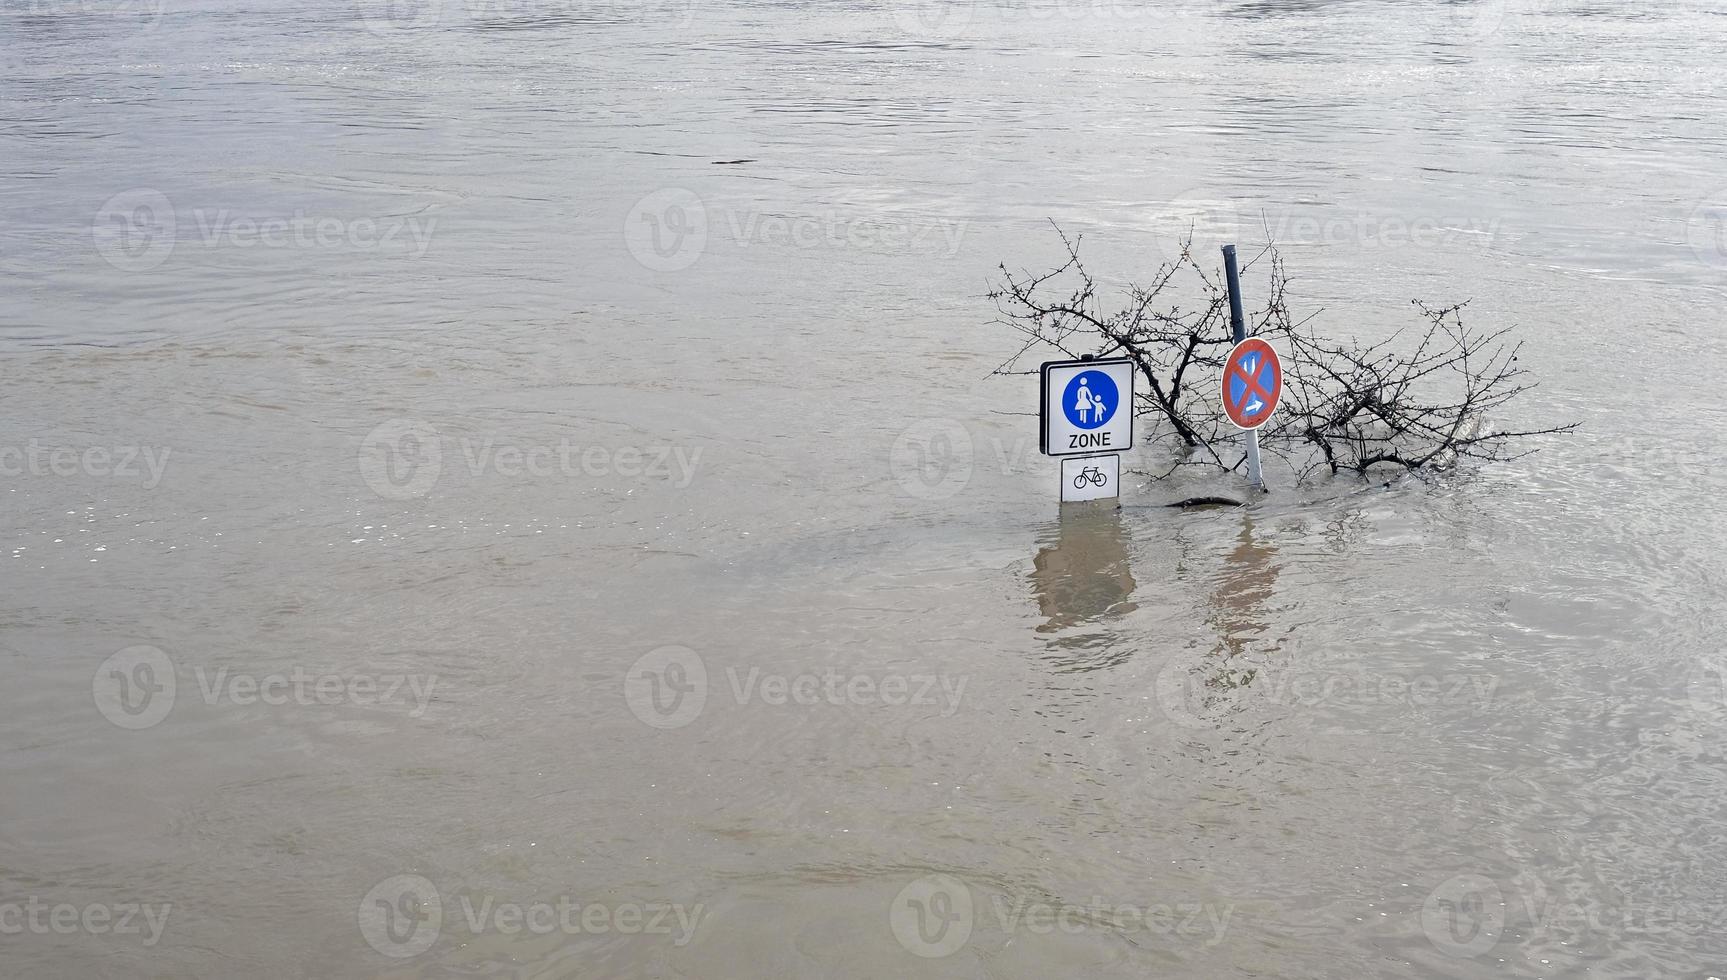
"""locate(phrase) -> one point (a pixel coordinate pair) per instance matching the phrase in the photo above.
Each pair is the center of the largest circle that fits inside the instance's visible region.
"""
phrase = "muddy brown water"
(511, 488)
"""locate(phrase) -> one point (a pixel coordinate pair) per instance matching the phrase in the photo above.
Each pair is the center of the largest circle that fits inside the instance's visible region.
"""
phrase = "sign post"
(1252, 374)
(1086, 419)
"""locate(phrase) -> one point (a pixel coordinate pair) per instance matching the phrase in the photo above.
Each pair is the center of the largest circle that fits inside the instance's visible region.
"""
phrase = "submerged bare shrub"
(1421, 399)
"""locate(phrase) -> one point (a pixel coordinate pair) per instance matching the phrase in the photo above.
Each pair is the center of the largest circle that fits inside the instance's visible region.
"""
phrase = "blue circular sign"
(1090, 399)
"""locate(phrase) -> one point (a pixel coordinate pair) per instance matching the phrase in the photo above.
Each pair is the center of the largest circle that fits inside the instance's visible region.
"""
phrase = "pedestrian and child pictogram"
(1090, 399)
(1252, 383)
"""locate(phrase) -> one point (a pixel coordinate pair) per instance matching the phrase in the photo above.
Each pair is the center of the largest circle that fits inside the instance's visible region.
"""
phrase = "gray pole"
(1238, 327)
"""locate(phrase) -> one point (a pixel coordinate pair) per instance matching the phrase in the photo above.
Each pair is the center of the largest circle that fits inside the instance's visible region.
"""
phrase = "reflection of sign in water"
(1087, 407)
(1252, 383)
(1082, 574)
(1244, 589)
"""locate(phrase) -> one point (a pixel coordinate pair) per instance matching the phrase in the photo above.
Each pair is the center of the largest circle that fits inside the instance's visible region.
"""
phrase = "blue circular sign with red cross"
(1252, 383)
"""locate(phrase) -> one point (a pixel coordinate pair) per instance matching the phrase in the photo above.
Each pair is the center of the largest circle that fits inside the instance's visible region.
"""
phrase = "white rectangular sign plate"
(1090, 478)
(1087, 407)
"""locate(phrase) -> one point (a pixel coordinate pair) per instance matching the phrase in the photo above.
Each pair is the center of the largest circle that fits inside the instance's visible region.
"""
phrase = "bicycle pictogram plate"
(1090, 477)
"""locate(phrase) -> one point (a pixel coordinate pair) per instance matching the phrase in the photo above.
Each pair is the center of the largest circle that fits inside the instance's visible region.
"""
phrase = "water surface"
(472, 353)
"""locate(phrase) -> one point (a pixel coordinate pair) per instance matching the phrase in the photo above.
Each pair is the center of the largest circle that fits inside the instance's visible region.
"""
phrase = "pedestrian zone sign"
(1087, 407)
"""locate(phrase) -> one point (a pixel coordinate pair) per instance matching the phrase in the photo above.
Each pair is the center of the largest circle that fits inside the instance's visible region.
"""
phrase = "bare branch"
(1416, 400)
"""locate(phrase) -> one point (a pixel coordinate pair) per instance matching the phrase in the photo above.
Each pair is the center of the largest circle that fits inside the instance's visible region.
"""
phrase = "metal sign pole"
(1238, 326)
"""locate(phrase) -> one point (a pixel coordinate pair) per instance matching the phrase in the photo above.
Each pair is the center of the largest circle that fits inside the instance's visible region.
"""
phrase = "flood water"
(513, 488)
